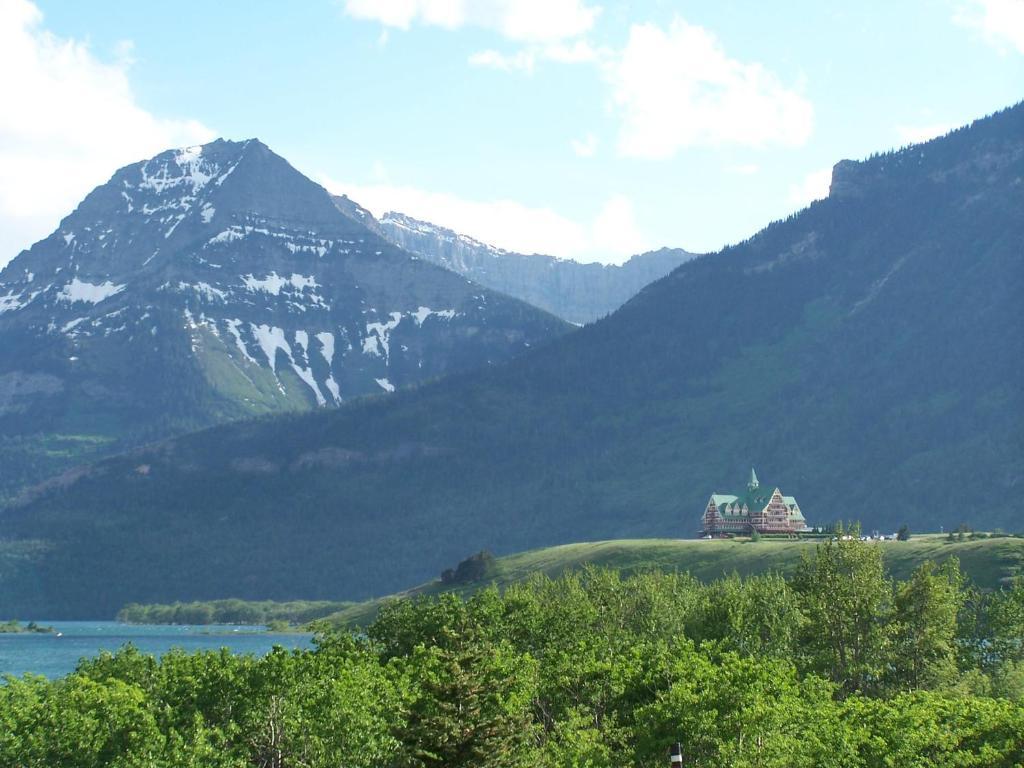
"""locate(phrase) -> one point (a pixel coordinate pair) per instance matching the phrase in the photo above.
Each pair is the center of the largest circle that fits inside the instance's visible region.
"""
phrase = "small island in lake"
(14, 627)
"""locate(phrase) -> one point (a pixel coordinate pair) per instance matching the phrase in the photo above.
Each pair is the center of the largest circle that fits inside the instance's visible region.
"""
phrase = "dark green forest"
(864, 354)
(838, 667)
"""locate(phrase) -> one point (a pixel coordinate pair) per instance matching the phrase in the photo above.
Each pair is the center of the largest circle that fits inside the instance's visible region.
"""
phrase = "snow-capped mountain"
(579, 293)
(213, 283)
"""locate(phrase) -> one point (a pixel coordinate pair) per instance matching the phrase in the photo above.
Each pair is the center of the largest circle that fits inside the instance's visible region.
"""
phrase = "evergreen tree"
(468, 705)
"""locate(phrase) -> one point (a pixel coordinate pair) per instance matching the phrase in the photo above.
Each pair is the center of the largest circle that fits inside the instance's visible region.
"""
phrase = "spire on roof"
(753, 480)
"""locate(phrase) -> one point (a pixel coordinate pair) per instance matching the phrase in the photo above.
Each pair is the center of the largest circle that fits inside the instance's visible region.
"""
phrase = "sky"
(585, 129)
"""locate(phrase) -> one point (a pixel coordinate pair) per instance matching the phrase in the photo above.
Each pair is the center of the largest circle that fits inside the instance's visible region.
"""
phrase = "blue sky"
(586, 129)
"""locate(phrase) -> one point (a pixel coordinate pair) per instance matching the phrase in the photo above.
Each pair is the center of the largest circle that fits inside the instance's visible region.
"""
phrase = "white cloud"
(525, 59)
(520, 61)
(744, 169)
(68, 121)
(615, 228)
(610, 237)
(1001, 22)
(813, 186)
(915, 134)
(585, 147)
(579, 52)
(678, 88)
(521, 20)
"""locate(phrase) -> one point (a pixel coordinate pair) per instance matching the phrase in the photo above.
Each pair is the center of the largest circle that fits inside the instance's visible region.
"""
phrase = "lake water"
(53, 656)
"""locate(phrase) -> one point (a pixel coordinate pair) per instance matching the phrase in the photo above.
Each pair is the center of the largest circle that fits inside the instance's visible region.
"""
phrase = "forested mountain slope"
(215, 283)
(865, 354)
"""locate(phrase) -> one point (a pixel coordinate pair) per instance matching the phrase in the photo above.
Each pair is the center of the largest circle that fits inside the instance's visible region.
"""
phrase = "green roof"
(756, 497)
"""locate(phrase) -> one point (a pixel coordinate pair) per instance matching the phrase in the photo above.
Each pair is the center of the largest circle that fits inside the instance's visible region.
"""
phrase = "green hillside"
(865, 355)
(987, 562)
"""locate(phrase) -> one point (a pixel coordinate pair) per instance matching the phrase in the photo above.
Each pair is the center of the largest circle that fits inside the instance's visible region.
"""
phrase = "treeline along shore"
(230, 611)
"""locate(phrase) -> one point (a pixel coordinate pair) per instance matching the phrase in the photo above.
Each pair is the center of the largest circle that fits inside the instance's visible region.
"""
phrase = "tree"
(467, 705)
(76, 723)
(483, 565)
(730, 711)
(756, 616)
(903, 534)
(846, 600)
(925, 627)
(925, 729)
(336, 706)
(1005, 621)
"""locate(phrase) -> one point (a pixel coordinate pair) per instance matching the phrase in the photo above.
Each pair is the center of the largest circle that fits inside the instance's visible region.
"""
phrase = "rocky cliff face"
(215, 283)
(579, 293)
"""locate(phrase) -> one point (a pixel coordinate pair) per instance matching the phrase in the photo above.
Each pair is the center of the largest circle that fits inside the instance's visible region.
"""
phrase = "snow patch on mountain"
(270, 339)
(229, 234)
(10, 302)
(68, 327)
(423, 313)
(90, 293)
(273, 283)
(233, 330)
(205, 291)
(295, 242)
(306, 372)
(191, 170)
(377, 341)
(378, 337)
(333, 388)
(326, 340)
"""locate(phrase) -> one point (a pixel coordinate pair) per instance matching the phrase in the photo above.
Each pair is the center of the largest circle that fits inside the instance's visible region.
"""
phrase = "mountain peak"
(215, 282)
(182, 198)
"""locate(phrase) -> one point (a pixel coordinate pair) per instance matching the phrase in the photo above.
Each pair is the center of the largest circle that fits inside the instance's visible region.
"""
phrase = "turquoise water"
(54, 656)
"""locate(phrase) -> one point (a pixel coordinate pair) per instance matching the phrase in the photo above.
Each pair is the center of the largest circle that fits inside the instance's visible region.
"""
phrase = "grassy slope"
(987, 562)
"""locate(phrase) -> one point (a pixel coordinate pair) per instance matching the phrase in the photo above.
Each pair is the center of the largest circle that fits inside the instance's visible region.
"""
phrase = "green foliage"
(925, 629)
(987, 564)
(1006, 622)
(14, 627)
(927, 730)
(592, 669)
(76, 723)
(740, 712)
(847, 601)
(759, 616)
(478, 567)
(468, 705)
